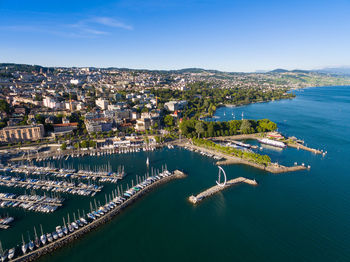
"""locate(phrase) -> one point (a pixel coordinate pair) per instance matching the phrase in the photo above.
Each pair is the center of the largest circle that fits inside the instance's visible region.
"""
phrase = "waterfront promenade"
(50, 247)
(217, 188)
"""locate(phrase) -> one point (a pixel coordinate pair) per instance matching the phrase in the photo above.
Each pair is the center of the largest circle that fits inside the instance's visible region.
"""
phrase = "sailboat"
(24, 246)
(31, 243)
(65, 230)
(11, 253)
(43, 236)
(3, 255)
(36, 240)
(147, 162)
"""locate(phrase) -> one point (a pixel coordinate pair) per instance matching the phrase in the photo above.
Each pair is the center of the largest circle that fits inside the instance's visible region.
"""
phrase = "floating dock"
(101, 176)
(30, 202)
(51, 185)
(215, 189)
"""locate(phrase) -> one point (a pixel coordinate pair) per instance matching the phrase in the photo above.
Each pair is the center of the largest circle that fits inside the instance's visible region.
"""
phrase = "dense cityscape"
(78, 106)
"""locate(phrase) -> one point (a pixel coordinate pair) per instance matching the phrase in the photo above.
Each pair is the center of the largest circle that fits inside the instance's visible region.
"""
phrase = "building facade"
(21, 133)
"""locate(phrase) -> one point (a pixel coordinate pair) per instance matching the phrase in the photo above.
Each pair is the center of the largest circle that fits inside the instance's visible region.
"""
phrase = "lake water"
(300, 216)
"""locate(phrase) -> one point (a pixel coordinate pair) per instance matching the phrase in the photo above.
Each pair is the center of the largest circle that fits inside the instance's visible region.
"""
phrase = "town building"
(98, 125)
(102, 103)
(175, 105)
(21, 133)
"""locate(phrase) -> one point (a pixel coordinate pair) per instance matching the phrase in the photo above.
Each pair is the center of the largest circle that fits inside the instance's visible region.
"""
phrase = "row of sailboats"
(233, 115)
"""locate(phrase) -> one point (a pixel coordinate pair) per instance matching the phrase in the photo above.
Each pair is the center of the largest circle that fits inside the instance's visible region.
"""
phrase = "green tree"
(169, 120)
(4, 106)
(84, 144)
(246, 126)
(64, 146)
(199, 128)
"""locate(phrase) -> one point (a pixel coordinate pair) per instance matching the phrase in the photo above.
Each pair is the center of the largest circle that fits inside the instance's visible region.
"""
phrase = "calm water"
(302, 216)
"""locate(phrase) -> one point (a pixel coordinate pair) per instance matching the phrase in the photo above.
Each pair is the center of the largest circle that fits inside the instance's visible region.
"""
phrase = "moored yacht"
(54, 235)
(24, 246)
(30, 244)
(36, 240)
(43, 238)
(49, 237)
(59, 231)
(11, 253)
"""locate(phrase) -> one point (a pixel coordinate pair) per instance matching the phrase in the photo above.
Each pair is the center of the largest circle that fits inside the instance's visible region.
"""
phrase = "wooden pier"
(33, 202)
(217, 188)
(44, 184)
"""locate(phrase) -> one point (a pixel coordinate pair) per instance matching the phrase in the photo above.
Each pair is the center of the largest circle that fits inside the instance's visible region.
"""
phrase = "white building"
(52, 103)
(74, 81)
(102, 103)
(175, 105)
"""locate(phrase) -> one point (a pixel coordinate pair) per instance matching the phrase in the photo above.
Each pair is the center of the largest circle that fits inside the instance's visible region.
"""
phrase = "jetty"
(217, 188)
(303, 147)
(295, 143)
(110, 210)
(227, 159)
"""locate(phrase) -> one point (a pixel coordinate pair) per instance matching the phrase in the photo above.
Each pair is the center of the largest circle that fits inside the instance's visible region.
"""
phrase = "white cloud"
(86, 28)
(108, 21)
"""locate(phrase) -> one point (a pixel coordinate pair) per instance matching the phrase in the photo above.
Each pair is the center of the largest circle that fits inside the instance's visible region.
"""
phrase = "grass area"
(249, 156)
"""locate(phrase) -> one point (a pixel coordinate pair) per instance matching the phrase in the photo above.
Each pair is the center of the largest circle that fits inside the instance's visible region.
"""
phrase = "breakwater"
(303, 147)
(33, 255)
(257, 136)
(230, 159)
(217, 188)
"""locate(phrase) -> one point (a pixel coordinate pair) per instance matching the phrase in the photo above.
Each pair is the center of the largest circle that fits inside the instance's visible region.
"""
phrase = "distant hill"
(334, 70)
(11, 67)
(337, 71)
(279, 70)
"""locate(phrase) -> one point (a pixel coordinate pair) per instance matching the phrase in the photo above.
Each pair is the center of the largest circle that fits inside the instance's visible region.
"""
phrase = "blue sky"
(224, 35)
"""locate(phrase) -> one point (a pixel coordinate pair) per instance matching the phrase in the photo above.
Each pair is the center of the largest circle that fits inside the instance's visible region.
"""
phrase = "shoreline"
(230, 160)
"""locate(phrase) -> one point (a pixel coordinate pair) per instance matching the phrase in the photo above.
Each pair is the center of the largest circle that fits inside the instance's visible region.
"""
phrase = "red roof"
(67, 124)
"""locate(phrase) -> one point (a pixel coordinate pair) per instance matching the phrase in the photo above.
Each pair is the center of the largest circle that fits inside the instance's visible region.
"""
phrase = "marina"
(30, 202)
(101, 174)
(76, 153)
(71, 231)
(51, 185)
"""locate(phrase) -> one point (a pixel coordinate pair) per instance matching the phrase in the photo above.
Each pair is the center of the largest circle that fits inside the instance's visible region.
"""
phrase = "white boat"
(43, 238)
(147, 161)
(11, 253)
(24, 246)
(59, 231)
(3, 255)
(272, 143)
